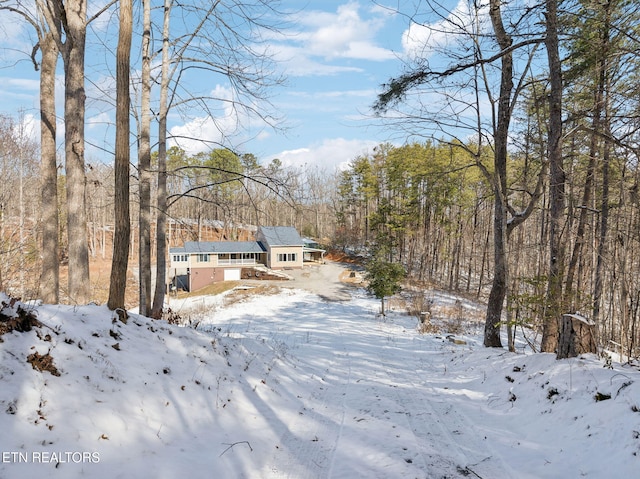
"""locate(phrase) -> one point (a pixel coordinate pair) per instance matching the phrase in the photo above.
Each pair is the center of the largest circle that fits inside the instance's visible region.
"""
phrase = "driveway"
(331, 281)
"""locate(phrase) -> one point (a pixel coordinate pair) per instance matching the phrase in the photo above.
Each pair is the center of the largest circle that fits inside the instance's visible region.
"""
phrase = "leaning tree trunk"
(501, 132)
(50, 279)
(500, 276)
(122, 229)
(74, 116)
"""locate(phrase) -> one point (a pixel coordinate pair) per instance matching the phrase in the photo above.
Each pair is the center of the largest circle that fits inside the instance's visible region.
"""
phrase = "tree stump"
(577, 336)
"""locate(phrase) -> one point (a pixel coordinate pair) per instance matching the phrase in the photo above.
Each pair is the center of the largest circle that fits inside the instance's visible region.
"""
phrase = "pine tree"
(383, 277)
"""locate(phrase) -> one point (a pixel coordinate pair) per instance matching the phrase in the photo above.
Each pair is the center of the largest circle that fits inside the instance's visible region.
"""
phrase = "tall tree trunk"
(500, 275)
(604, 210)
(578, 246)
(161, 224)
(598, 125)
(604, 230)
(144, 167)
(501, 132)
(50, 279)
(74, 116)
(122, 229)
(554, 309)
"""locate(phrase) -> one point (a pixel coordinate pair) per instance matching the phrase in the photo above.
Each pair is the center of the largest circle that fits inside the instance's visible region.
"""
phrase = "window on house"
(286, 257)
(180, 258)
(203, 258)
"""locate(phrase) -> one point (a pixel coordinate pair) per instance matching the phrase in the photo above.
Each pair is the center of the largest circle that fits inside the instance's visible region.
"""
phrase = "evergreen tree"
(383, 277)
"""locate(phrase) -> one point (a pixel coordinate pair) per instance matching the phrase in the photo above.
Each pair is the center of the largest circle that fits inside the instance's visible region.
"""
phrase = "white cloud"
(328, 36)
(330, 154)
(197, 135)
(417, 40)
(263, 135)
(297, 63)
(341, 102)
(16, 36)
(367, 51)
(367, 93)
(102, 22)
(22, 84)
(344, 34)
(423, 40)
(202, 133)
(99, 121)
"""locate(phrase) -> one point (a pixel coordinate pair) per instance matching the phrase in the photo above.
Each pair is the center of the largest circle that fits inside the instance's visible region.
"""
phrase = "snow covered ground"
(291, 385)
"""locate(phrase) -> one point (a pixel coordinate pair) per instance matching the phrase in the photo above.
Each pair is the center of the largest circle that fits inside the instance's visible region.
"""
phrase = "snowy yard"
(290, 385)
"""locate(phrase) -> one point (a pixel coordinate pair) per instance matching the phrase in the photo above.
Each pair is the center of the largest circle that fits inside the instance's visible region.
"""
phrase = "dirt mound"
(352, 277)
(339, 256)
(15, 317)
(253, 273)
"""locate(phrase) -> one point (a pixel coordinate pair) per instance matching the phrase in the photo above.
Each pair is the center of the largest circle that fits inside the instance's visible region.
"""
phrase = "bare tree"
(72, 15)
(477, 65)
(122, 227)
(18, 205)
(557, 182)
(67, 22)
(209, 42)
(47, 45)
(161, 222)
(501, 135)
(50, 279)
(144, 166)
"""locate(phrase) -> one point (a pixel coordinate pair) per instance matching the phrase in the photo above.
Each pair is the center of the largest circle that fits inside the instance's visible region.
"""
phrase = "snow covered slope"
(292, 386)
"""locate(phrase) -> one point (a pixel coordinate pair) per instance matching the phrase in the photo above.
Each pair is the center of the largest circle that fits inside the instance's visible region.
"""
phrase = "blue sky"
(343, 53)
(335, 54)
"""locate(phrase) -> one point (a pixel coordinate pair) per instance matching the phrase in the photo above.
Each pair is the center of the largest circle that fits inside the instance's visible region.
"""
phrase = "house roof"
(268, 236)
(281, 236)
(218, 247)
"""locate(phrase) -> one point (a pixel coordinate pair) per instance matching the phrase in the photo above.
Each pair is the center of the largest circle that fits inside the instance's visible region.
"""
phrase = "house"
(312, 251)
(197, 264)
(283, 246)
